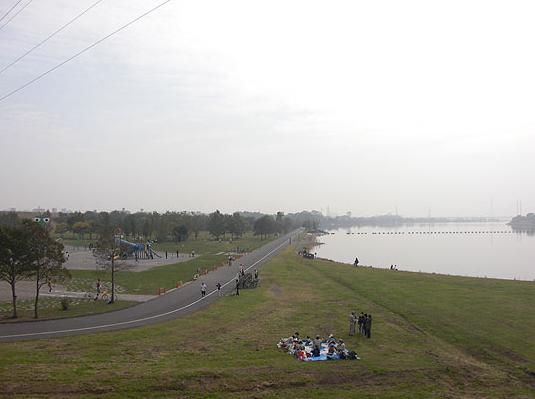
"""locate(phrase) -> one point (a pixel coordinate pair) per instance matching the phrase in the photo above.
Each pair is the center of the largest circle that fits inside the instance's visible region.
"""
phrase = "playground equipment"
(136, 250)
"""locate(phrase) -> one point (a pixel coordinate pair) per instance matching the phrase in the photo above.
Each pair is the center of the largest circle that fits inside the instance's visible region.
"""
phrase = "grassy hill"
(432, 336)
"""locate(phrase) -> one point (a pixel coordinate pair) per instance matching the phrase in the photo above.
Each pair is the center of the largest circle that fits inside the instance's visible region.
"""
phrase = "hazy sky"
(272, 105)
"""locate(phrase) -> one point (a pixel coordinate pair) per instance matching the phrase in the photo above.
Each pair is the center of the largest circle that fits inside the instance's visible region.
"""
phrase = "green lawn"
(149, 281)
(433, 337)
(206, 244)
(50, 308)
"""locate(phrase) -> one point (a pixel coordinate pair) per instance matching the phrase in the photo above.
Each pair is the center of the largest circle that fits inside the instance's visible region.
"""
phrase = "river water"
(467, 249)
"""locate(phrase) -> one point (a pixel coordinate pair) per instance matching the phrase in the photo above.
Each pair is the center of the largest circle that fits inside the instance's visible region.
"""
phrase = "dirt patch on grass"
(275, 290)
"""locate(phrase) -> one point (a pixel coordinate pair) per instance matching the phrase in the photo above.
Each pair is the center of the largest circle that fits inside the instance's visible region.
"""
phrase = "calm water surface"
(467, 249)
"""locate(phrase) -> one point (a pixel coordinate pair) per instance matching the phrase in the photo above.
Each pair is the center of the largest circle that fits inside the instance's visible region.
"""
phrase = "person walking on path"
(369, 326)
(352, 323)
(165, 254)
(98, 286)
(203, 289)
(177, 253)
(218, 285)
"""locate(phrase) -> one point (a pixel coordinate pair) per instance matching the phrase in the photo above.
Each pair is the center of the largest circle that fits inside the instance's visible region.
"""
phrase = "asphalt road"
(170, 306)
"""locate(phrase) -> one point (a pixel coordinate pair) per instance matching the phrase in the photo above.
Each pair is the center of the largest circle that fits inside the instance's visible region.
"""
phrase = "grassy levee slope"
(433, 336)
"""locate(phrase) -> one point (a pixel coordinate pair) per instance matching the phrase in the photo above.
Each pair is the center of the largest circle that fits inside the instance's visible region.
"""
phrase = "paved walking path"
(176, 303)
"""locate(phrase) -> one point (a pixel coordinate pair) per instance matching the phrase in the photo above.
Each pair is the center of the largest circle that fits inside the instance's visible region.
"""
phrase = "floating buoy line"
(431, 232)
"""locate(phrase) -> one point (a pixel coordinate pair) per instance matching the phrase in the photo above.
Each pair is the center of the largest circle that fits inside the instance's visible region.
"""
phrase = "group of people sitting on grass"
(309, 349)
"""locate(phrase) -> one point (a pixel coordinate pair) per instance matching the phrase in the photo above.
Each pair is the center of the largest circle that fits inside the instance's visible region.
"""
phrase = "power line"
(11, 9)
(83, 51)
(49, 37)
(17, 13)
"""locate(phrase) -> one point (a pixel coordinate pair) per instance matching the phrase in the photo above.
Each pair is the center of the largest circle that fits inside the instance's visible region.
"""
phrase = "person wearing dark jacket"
(361, 323)
(368, 326)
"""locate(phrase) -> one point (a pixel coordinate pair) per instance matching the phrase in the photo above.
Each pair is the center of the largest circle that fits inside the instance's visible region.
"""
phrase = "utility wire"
(11, 9)
(17, 13)
(82, 51)
(49, 37)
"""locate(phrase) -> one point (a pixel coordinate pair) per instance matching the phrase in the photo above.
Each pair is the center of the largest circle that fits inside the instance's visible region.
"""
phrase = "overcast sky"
(362, 106)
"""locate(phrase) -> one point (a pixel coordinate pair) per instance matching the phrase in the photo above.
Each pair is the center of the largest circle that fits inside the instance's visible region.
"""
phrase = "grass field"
(50, 308)
(433, 337)
(149, 281)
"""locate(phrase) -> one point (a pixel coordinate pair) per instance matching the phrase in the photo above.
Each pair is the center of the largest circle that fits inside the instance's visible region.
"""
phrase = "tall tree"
(45, 260)
(14, 258)
(108, 255)
(236, 225)
(216, 224)
(80, 228)
(264, 226)
(180, 232)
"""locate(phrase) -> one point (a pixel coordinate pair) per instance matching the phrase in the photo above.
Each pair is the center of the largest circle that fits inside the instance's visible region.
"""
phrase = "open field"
(432, 336)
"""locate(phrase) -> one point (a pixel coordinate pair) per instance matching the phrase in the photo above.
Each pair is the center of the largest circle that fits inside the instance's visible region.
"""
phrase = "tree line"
(168, 226)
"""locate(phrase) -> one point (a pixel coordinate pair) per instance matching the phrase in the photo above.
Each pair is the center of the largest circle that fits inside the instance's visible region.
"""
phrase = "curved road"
(166, 307)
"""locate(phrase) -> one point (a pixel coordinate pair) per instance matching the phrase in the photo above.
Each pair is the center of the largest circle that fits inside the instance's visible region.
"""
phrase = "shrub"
(65, 302)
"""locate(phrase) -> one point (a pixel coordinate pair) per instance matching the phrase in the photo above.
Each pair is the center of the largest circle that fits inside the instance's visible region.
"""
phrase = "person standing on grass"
(203, 289)
(369, 326)
(218, 285)
(165, 254)
(356, 263)
(255, 274)
(177, 253)
(237, 287)
(352, 323)
(362, 319)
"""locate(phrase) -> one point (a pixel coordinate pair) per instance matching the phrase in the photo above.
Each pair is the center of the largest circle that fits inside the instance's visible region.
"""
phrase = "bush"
(65, 303)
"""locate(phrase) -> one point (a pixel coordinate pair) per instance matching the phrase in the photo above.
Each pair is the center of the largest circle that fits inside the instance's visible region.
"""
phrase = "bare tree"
(45, 260)
(108, 256)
